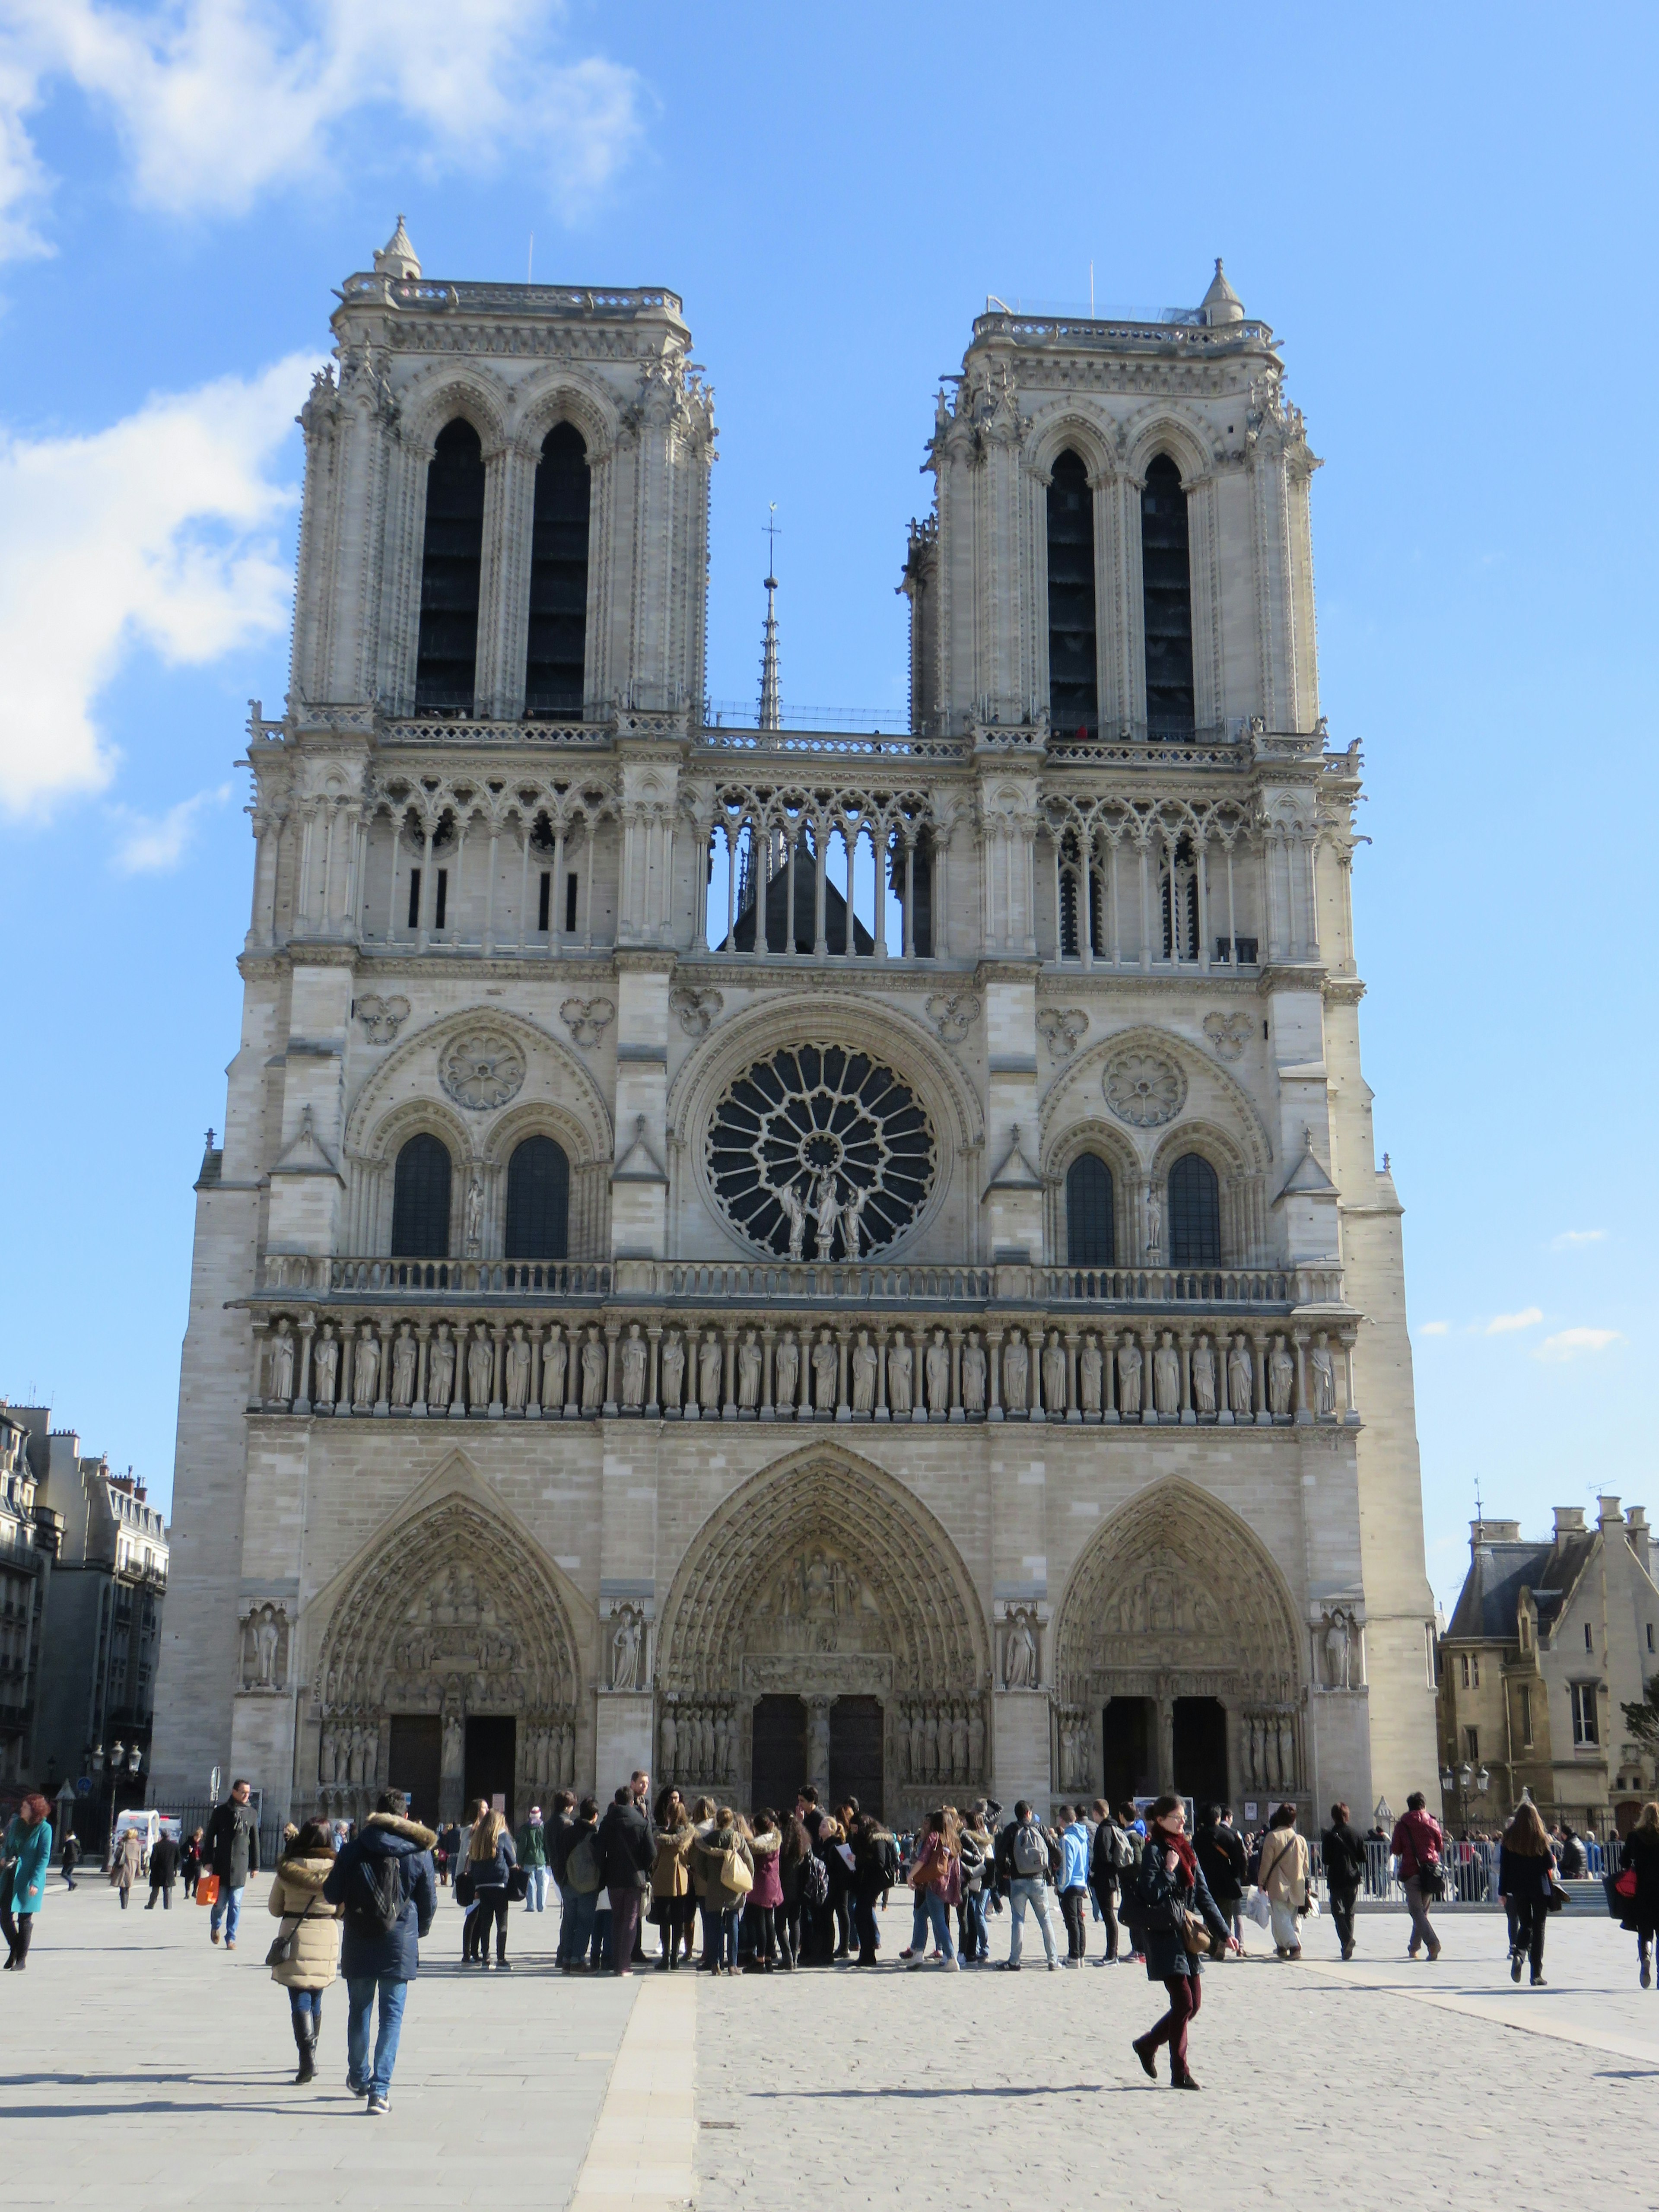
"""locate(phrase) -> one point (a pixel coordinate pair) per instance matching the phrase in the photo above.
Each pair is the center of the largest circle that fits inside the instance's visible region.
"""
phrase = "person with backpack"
(1112, 1855)
(305, 1951)
(1073, 1881)
(1343, 1850)
(490, 1860)
(386, 1880)
(1023, 1857)
(1417, 1842)
(728, 1870)
(582, 1878)
(976, 1849)
(875, 1869)
(627, 1851)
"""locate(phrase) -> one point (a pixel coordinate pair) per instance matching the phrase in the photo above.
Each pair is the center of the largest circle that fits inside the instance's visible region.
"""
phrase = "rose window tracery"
(1144, 1089)
(483, 1069)
(818, 1152)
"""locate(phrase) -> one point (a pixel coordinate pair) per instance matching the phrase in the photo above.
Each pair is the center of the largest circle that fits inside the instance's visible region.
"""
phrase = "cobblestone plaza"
(158, 2073)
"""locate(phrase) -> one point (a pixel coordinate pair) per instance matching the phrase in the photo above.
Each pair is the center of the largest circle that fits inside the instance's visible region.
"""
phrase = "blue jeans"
(227, 1907)
(576, 1930)
(726, 1953)
(930, 1909)
(535, 1898)
(977, 1942)
(307, 2003)
(1024, 1890)
(360, 1989)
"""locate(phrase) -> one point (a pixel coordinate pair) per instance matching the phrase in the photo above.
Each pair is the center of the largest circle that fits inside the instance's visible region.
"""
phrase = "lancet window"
(849, 875)
(1073, 697)
(420, 1200)
(1194, 1213)
(538, 1200)
(1089, 1227)
(555, 677)
(1160, 883)
(1166, 601)
(452, 563)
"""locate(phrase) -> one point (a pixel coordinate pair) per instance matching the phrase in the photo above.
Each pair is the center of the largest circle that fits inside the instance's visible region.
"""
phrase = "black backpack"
(375, 1900)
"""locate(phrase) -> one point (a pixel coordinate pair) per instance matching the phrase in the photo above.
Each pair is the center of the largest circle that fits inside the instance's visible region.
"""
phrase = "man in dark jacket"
(231, 1850)
(1345, 1870)
(1220, 1852)
(385, 1879)
(163, 1871)
(627, 1853)
(561, 1842)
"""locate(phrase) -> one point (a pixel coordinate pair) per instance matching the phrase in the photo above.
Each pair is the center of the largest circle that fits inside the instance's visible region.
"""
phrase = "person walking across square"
(386, 1880)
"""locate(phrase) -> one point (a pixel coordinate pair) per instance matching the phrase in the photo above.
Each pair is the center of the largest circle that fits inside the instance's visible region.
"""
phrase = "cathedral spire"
(771, 707)
(397, 257)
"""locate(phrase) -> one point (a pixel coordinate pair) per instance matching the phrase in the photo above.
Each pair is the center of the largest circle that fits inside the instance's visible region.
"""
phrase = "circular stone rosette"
(1144, 1089)
(482, 1069)
(822, 1147)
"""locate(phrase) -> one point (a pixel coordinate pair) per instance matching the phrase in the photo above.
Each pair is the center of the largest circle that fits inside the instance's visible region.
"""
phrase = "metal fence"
(1469, 1869)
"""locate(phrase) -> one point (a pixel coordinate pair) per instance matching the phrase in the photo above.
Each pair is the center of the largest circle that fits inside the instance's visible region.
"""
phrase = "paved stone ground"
(145, 2069)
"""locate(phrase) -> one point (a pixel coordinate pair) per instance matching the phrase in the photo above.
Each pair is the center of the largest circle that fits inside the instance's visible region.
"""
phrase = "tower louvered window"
(1167, 590)
(1194, 1213)
(420, 1200)
(1089, 1242)
(1072, 699)
(451, 561)
(538, 1201)
(554, 675)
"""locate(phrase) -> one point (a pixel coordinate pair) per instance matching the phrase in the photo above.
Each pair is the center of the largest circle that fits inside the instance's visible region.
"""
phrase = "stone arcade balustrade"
(661, 1339)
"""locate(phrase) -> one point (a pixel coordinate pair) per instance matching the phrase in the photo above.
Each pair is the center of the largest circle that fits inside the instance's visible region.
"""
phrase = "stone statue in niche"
(938, 1376)
(366, 1372)
(1019, 1652)
(627, 1648)
(1154, 1221)
(555, 1361)
(631, 1355)
(1091, 1374)
(826, 1210)
(852, 1219)
(1241, 1378)
(480, 1368)
(1166, 1377)
(786, 1366)
(864, 1374)
(475, 1199)
(454, 1744)
(901, 1368)
(669, 1736)
(1203, 1377)
(709, 1374)
(1129, 1365)
(1053, 1374)
(1015, 1374)
(819, 1740)
(405, 1352)
(916, 1745)
(1324, 1377)
(794, 1214)
(518, 1369)
(824, 1364)
(1281, 1378)
(282, 1365)
(749, 1373)
(441, 1370)
(673, 1371)
(976, 1740)
(262, 1637)
(325, 1367)
(1339, 1638)
(973, 1376)
(593, 1371)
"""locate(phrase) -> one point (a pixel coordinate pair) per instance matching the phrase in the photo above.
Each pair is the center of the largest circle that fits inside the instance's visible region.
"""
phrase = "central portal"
(779, 1766)
(491, 1744)
(855, 1753)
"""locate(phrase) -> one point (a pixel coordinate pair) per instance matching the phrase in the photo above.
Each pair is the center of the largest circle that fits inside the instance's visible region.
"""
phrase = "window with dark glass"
(420, 1200)
(554, 675)
(451, 561)
(1194, 1213)
(1072, 699)
(1167, 600)
(1178, 888)
(1089, 1213)
(538, 1201)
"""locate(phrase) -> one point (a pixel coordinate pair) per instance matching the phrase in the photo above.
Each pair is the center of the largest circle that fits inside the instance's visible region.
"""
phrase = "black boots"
(305, 2042)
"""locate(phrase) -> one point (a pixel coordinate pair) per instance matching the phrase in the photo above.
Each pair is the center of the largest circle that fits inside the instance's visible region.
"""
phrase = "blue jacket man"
(386, 1880)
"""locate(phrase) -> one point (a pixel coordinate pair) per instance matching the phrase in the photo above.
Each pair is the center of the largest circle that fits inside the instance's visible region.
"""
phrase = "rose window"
(1144, 1089)
(820, 1153)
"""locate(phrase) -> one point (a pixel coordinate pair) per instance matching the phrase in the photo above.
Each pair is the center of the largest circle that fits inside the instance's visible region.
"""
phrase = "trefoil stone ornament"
(482, 1069)
(382, 1019)
(1228, 1033)
(697, 1010)
(587, 1019)
(953, 1013)
(1061, 1029)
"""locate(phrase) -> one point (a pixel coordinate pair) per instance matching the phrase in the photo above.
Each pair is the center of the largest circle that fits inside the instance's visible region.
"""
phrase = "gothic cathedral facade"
(765, 1255)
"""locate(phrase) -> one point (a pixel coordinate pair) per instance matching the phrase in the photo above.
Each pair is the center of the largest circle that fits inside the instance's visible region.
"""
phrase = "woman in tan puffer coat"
(296, 1900)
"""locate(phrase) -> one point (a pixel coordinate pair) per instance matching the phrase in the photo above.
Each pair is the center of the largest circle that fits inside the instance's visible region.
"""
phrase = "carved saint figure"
(1015, 1372)
(673, 1371)
(973, 1376)
(325, 1366)
(1241, 1378)
(366, 1371)
(917, 1745)
(749, 1373)
(480, 1368)
(901, 1368)
(1019, 1669)
(404, 1353)
(938, 1376)
(325, 1756)
(266, 1638)
(454, 1751)
(864, 1374)
(441, 1370)
(819, 1744)
(959, 1744)
(518, 1369)
(851, 1219)
(786, 1368)
(625, 1638)
(1154, 1221)
(826, 1208)
(669, 1736)
(709, 1374)
(930, 1748)
(1090, 1370)
(631, 1358)
(1053, 1374)
(1166, 1377)
(795, 1214)
(474, 1217)
(592, 1372)
(1129, 1365)
(1324, 1377)
(282, 1365)
(1281, 1377)
(823, 1374)
(555, 1360)
(1203, 1376)
(1339, 1649)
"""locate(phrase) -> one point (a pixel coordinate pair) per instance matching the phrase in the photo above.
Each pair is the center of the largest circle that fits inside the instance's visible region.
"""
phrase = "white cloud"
(1506, 1324)
(1570, 1239)
(1434, 1328)
(218, 102)
(1568, 1343)
(153, 844)
(160, 530)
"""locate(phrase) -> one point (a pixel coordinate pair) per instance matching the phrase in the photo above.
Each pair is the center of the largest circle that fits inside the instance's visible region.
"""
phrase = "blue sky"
(1441, 212)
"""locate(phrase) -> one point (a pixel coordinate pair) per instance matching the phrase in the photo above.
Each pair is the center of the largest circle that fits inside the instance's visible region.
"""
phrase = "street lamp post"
(1468, 1783)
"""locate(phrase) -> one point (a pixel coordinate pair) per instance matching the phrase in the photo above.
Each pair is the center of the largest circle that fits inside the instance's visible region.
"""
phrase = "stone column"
(957, 1412)
(767, 1411)
(729, 1410)
(881, 1412)
(994, 1374)
(654, 1338)
(612, 1330)
(497, 1405)
(308, 1330)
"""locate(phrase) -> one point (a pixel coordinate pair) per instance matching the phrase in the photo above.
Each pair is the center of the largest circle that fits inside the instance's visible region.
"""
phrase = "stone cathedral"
(770, 1255)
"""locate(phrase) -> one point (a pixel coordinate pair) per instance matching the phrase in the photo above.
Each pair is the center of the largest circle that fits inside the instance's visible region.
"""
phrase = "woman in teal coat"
(28, 1844)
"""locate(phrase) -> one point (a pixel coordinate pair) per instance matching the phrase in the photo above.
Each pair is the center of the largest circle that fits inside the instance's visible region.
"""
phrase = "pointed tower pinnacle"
(770, 703)
(397, 257)
(1221, 304)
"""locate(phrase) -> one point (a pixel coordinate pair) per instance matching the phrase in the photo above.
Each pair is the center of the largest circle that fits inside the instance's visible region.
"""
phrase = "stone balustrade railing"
(450, 1360)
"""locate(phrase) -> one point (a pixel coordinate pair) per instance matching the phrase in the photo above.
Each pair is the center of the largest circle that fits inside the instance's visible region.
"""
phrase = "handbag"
(518, 1884)
(735, 1876)
(207, 1889)
(1194, 1932)
(466, 1889)
(285, 1941)
(1258, 1907)
(1557, 1896)
(1625, 1883)
(1618, 1905)
(1430, 1879)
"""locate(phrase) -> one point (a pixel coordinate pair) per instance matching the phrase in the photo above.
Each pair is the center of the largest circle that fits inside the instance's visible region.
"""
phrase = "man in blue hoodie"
(385, 1879)
(1073, 1882)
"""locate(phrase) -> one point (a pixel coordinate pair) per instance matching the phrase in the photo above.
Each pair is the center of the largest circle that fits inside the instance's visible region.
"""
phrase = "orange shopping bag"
(207, 1889)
